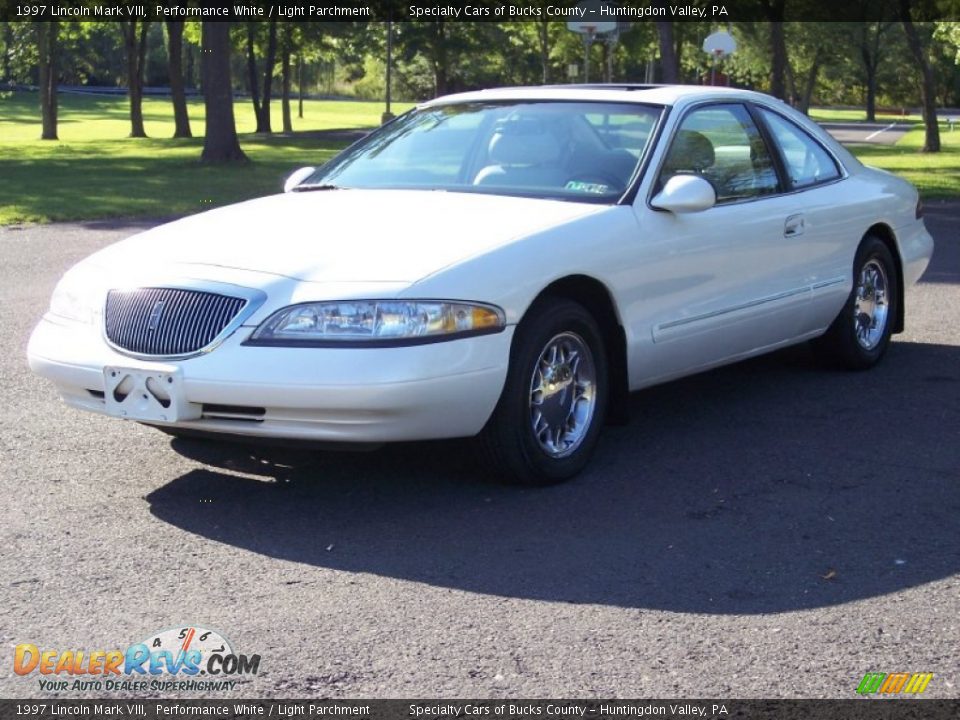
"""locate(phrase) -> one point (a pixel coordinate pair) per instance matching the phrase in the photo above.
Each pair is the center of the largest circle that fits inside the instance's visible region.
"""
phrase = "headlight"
(376, 322)
(75, 299)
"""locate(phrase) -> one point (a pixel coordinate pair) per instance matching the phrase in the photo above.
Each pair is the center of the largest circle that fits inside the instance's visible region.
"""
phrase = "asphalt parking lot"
(771, 529)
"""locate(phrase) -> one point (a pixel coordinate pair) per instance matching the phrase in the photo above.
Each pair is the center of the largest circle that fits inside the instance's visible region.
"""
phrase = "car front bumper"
(437, 390)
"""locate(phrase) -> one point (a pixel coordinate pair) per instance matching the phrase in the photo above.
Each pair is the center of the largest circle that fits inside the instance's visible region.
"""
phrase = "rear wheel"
(550, 413)
(860, 335)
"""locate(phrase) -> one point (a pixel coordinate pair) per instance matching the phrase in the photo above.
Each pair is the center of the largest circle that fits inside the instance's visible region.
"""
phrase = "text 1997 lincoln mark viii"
(506, 264)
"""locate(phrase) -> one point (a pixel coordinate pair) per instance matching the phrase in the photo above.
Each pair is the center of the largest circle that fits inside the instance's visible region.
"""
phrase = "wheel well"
(594, 296)
(885, 234)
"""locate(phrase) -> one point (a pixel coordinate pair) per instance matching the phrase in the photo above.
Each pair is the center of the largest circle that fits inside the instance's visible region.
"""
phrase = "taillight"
(919, 213)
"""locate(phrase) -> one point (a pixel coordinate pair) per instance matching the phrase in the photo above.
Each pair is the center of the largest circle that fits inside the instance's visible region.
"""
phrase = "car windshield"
(587, 151)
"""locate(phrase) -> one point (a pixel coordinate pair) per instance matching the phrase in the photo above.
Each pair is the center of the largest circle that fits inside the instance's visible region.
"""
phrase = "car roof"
(677, 96)
(614, 92)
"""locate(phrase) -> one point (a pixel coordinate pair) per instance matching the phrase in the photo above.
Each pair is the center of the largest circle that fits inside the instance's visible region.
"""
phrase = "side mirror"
(297, 177)
(685, 194)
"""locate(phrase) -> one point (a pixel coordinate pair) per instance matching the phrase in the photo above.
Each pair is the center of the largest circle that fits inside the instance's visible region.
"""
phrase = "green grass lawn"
(937, 175)
(858, 115)
(95, 171)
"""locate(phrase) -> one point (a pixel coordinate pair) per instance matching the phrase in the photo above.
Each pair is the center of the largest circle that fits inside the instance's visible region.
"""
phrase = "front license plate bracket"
(147, 395)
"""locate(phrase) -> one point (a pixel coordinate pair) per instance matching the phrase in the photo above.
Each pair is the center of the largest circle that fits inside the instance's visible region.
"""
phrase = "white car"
(506, 264)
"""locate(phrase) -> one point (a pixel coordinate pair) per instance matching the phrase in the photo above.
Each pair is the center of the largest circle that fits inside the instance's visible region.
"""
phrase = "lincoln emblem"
(155, 316)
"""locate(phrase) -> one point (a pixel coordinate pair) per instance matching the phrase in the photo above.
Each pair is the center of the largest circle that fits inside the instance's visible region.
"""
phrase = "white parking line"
(871, 136)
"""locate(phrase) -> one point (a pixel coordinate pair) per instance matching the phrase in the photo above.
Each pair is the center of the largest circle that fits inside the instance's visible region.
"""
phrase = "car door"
(830, 225)
(726, 282)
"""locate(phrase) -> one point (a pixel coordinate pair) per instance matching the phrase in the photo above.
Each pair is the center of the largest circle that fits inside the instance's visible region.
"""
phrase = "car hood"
(344, 235)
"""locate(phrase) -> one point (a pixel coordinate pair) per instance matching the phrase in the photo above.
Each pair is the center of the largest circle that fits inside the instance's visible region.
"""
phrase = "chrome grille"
(167, 321)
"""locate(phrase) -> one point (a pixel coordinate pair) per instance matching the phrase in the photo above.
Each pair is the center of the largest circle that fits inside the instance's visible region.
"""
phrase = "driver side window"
(722, 144)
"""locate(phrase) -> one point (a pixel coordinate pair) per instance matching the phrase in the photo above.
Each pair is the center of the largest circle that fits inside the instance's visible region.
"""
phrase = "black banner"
(623, 11)
(139, 709)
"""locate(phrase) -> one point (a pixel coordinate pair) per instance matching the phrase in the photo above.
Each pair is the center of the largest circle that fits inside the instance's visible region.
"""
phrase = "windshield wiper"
(316, 186)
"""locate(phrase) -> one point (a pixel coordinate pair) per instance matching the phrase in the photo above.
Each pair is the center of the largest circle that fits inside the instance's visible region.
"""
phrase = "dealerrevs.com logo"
(178, 659)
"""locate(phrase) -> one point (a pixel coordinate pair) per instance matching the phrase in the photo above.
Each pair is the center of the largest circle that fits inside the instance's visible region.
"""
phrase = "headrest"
(690, 151)
(523, 142)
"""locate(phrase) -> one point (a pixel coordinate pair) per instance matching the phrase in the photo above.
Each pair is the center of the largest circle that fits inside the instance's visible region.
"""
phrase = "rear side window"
(721, 144)
(806, 161)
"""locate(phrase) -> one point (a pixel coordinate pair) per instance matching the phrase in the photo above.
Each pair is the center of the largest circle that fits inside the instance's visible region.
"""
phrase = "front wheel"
(550, 413)
(860, 335)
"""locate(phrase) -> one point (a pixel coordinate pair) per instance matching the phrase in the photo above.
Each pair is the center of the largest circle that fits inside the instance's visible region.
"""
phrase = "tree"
(261, 95)
(47, 43)
(949, 32)
(220, 144)
(774, 11)
(286, 49)
(873, 42)
(543, 41)
(178, 96)
(7, 50)
(669, 63)
(928, 88)
(812, 46)
(135, 44)
(450, 51)
(870, 39)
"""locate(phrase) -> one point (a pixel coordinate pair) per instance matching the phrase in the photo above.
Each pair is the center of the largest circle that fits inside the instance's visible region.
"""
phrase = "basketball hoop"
(719, 45)
(590, 29)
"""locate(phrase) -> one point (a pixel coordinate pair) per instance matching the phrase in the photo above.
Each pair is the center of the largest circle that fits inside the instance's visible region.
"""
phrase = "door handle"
(793, 226)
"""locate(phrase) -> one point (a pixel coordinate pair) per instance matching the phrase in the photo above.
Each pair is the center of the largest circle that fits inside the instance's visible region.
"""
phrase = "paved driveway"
(863, 132)
(770, 529)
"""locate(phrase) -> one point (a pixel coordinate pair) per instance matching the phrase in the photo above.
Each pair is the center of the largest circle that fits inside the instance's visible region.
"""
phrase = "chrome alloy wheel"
(563, 394)
(871, 305)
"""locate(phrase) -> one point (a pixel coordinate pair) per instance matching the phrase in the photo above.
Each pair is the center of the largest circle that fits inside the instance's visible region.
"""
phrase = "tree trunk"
(189, 74)
(7, 50)
(669, 66)
(136, 48)
(252, 77)
(300, 85)
(869, 58)
(871, 93)
(543, 35)
(220, 143)
(181, 119)
(811, 82)
(778, 57)
(263, 117)
(791, 84)
(47, 45)
(928, 88)
(285, 85)
(439, 59)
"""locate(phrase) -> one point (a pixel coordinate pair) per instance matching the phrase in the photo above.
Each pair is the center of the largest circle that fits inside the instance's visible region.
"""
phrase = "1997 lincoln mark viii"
(507, 264)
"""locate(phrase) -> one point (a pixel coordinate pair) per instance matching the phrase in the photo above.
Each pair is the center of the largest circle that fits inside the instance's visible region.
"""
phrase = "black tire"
(508, 444)
(842, 343)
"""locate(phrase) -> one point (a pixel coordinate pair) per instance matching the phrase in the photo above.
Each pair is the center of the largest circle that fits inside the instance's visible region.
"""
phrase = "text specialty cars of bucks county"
(507, 264)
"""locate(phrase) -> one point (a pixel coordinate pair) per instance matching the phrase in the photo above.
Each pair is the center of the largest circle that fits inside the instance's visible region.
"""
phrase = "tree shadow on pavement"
(768, 486)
